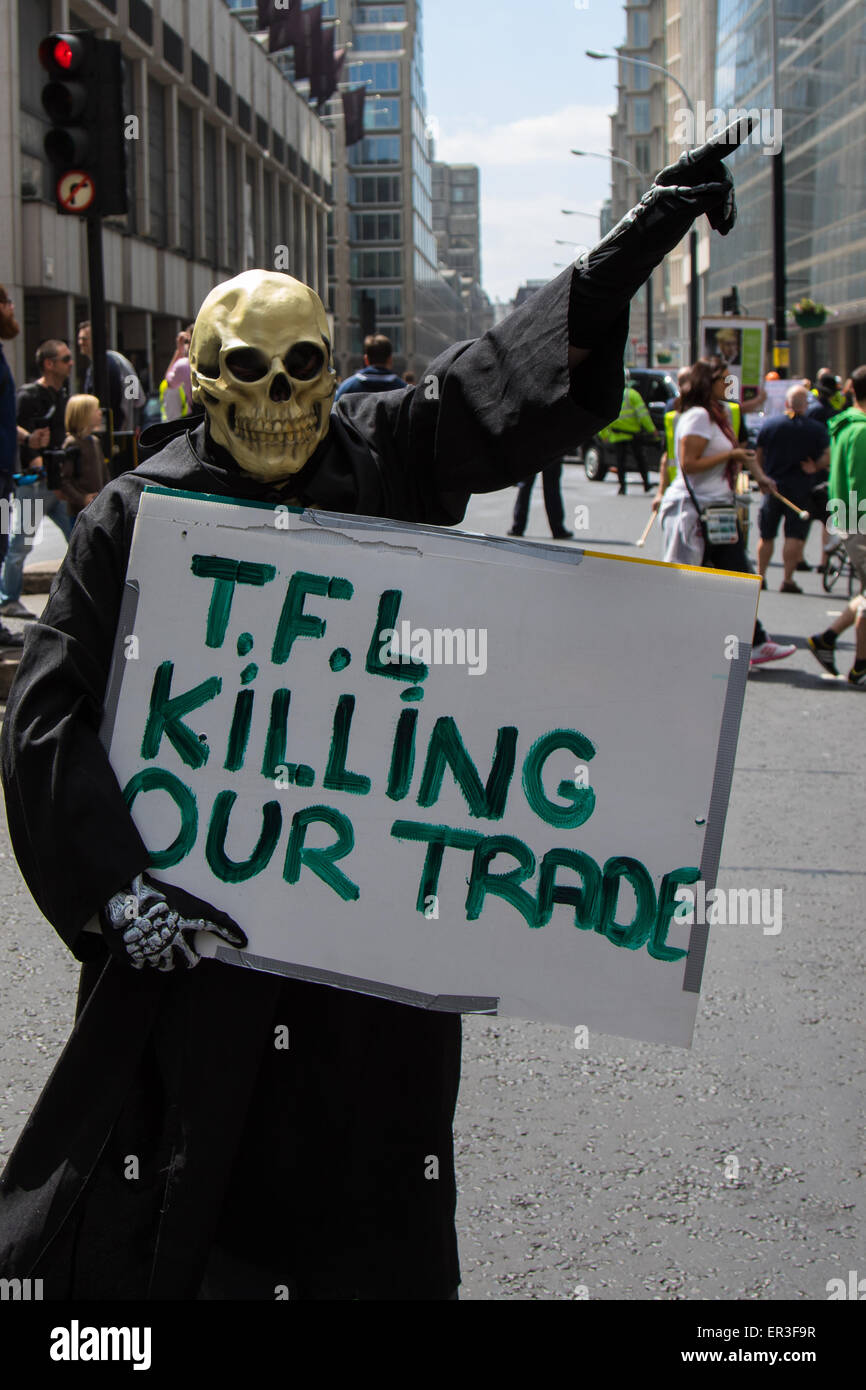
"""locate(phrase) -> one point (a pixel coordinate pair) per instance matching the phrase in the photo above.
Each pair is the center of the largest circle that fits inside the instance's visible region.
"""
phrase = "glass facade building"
(821, 99)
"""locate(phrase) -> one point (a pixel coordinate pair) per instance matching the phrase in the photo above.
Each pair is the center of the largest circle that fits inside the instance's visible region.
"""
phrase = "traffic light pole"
(97, 311)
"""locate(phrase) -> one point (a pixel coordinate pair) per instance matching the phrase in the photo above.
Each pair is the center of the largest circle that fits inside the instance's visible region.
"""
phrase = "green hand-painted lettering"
(446, 747)
(321, 861)
(165, 716)
(158, 779)
(580, 800)
(226, 574)
(234, 871)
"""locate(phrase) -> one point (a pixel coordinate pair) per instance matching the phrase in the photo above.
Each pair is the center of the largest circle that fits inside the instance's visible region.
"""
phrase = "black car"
(656, 386)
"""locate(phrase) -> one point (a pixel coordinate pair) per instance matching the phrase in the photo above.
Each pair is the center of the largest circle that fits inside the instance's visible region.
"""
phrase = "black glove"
(155, 925)
(614, 270)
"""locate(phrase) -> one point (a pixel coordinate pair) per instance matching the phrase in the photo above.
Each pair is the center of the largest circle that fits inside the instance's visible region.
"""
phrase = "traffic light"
(84, 102)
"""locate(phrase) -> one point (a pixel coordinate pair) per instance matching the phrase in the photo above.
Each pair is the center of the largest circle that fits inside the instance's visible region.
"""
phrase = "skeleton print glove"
(142, 928)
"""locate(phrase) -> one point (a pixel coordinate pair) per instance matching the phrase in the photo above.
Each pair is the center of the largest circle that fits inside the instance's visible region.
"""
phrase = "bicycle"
(836, 563)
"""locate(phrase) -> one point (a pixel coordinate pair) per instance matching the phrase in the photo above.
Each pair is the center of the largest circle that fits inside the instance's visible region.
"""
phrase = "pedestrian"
(84, 472)
(828, 399)
(551, 475)
(40, 403)
(668, 460)
(846, 489)
(259, 1167)
(12, 436)
(791, 449)
(125, 394)
(377, 373)
(175, 391)
(622, 436)
(698, 512)
(410, 378)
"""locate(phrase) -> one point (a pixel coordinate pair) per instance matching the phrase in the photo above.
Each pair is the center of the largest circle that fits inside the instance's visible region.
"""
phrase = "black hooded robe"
(175, 1153)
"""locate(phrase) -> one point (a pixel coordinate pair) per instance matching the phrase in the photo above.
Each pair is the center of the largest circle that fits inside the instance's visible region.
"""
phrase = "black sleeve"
(28, 410)
(73, 836)
(489, 413)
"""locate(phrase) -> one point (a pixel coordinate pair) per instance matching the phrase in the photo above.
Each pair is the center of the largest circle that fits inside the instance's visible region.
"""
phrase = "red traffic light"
(62, 54)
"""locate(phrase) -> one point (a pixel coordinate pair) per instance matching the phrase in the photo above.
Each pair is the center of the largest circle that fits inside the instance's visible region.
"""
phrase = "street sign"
(75, 191)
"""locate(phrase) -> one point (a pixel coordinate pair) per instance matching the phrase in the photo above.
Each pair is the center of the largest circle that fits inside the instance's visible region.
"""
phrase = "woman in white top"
(709, 460)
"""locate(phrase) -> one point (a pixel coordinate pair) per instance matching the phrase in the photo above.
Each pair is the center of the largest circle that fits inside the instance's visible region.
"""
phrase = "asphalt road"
(627, 1170)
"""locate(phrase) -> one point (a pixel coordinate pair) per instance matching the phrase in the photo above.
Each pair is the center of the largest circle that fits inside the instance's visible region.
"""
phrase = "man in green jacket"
(633, 419)
(847, 513)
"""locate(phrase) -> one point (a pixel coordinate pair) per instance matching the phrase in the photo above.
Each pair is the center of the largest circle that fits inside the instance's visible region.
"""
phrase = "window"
(642, 155)
(640, 115)
(375, 188)
(156, 151)
(376, 149)
(268, 194)
(638, 77)
(373, 226)
(395, 333)
(381, 14)
(375, 265)
(185, 179)
(377, 43)
(639, 22)
(233, 235)
(381, 114)
(380, 77)
(211, 192)
(389, 301)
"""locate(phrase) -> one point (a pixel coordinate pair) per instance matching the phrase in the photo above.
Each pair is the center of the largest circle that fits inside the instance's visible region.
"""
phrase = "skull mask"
(260, 365)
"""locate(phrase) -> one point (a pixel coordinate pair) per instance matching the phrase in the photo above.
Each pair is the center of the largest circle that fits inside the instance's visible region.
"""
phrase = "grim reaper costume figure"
(258, 1169)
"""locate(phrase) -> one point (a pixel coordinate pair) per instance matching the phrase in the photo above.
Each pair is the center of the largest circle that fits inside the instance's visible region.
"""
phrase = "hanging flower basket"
(808, 313)
(662, 358)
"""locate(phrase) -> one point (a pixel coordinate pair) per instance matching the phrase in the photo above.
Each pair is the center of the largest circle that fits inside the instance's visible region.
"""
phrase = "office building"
(383, 261)
(457, 228)
(821, 97)
(228, 169)
(638, 137)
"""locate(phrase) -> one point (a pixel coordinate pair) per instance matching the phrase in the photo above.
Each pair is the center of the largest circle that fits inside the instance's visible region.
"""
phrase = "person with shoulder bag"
(698, 512)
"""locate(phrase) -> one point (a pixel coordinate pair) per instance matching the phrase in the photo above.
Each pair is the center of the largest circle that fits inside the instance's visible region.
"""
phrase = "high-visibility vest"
(837, 400)
(632, 419)
(670, 418)
(163, 407)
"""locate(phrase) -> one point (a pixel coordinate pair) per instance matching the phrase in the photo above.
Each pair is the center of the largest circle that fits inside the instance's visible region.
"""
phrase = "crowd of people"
(806, 461)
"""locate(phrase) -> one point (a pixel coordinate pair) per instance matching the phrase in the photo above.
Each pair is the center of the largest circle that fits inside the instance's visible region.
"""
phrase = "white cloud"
(537, 138)
(527, 176)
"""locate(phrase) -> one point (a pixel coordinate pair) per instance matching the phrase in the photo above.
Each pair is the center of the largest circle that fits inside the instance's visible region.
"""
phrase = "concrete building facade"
(228, 169)
(457, 228)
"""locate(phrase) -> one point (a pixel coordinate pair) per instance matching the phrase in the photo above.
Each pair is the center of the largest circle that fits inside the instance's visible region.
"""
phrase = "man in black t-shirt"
(791, 449)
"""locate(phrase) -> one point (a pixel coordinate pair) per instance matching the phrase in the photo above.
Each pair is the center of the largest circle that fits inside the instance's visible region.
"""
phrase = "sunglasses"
(67, 358)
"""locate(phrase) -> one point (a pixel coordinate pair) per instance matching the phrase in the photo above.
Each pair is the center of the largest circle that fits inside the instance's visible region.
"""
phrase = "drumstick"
(804, 516)
(647, 529)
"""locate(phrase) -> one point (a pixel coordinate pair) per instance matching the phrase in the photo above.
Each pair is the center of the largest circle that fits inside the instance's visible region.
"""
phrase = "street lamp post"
(779, 278)
(627, 164)
(693, 236)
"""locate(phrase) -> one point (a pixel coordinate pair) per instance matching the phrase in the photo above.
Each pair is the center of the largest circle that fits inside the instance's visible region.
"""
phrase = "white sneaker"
(769, 651)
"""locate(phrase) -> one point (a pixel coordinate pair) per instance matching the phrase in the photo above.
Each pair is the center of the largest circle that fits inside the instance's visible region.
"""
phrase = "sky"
(509, 89)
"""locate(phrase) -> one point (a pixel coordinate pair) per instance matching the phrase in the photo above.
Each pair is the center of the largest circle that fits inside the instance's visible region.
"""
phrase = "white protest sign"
(466, 773)
(776, 394)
